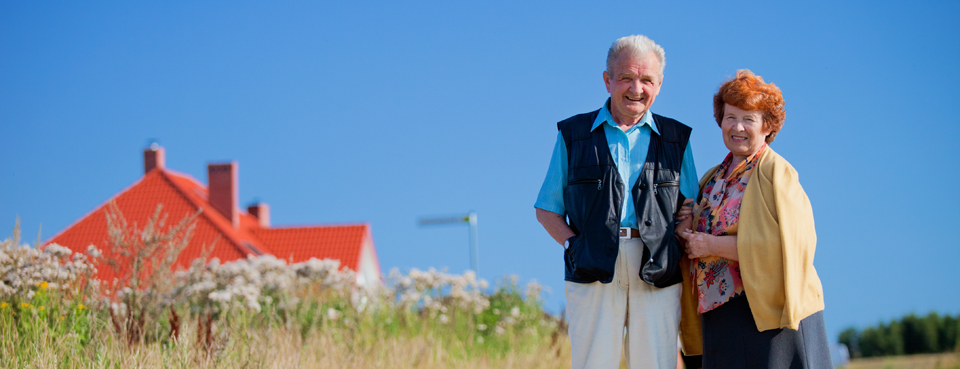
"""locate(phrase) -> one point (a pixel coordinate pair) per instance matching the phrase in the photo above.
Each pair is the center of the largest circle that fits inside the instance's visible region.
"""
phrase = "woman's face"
(743, 131)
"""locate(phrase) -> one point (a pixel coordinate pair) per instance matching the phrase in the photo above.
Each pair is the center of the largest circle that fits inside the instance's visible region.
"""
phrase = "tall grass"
(261, 312)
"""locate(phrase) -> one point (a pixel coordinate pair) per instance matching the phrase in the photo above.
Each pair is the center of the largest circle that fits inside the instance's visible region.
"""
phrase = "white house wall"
(369, 270)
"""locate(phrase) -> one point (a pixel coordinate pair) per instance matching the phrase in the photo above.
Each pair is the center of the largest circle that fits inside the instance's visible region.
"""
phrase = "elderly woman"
(750, 250)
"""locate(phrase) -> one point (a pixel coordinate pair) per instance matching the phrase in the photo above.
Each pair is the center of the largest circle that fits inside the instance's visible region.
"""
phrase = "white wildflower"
(57, 251)
(532, 292)
(93, 251)
(222, 297)
(332, 314)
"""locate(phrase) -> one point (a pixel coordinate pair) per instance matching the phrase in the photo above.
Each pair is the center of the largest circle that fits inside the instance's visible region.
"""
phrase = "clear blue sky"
(378, 112)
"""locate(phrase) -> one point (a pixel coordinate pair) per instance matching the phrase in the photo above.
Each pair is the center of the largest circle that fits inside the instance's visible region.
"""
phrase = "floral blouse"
(718, 279)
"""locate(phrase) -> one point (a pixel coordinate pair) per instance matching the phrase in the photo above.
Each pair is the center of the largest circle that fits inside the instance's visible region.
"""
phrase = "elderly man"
(618, 174)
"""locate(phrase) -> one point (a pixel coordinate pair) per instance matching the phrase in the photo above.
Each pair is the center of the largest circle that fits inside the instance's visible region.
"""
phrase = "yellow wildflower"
(25, 305)
(3, 305)
(41, 308)
(43, 285)
(81, 307)
(62, 317)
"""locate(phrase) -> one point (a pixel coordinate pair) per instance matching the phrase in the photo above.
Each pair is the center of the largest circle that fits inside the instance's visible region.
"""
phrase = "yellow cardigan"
(776, 240)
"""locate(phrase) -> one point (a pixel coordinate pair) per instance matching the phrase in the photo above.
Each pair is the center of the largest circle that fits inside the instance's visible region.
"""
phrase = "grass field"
(949, 360)
(277, 348)
(262, 312)
(259, 312)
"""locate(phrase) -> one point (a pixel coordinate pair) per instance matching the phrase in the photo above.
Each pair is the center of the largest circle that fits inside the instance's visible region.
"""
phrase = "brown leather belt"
(629, 232)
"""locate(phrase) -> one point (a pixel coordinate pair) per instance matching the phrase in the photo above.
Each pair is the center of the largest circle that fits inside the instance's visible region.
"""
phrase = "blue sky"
(382, 112)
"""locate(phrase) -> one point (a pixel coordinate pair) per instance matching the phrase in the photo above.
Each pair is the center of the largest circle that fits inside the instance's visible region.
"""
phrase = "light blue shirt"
(629, 150)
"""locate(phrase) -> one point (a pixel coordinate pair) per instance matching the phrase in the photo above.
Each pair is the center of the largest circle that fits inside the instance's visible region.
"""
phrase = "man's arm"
(689, 181)
(549, 203)
(689, 190)
(555, 224)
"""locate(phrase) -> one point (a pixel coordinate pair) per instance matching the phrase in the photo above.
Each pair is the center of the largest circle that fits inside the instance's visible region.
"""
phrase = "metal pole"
(474, 247)
(471, 220)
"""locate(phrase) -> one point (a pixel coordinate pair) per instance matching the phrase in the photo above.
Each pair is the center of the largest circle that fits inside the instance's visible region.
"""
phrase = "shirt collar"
(605, 116)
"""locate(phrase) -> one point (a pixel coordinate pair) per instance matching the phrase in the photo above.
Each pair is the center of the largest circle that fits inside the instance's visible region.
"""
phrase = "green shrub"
(911, 334)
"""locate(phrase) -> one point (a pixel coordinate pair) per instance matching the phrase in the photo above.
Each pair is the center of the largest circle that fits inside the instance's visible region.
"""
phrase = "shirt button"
(647, 223)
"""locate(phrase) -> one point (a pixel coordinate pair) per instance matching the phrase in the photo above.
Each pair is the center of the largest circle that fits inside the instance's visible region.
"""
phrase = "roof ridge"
(258, 247)
(263, 245)
(236, 242)
(187, 176)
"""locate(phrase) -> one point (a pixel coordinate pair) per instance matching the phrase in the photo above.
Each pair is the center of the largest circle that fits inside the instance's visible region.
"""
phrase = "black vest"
(594, 198)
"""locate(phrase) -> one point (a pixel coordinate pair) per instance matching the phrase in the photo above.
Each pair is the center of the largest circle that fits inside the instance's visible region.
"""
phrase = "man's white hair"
(637, 46)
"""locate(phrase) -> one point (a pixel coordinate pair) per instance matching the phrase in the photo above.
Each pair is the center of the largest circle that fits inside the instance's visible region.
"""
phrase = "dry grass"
(276, 348)
(922, 361)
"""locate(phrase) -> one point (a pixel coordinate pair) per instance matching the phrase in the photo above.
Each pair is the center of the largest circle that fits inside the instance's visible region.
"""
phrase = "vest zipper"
(655, 185)
(585, 181)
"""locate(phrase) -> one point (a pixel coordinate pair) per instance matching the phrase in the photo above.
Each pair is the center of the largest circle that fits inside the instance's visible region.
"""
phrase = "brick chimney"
(261, 211)
(224, 190)
(153, 157)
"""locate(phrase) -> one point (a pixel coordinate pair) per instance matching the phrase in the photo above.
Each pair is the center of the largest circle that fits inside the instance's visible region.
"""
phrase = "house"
(234, 233)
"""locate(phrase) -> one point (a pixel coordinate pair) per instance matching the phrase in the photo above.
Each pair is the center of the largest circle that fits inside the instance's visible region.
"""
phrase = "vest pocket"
(583, 264)
(581, 181)
(661, 186)
(580, 198)
(666, 193)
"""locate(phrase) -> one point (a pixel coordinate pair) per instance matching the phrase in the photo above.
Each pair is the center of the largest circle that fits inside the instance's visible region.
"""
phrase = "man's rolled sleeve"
(689, 182)
(550, 197)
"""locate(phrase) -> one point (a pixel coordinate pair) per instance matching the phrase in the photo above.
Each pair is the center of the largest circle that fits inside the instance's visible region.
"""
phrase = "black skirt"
(731, 340)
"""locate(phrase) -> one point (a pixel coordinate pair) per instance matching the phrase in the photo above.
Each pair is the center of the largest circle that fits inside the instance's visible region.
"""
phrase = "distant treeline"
(910, 335)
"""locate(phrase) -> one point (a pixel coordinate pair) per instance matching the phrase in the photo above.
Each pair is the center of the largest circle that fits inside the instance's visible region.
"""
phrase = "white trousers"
(627, 313)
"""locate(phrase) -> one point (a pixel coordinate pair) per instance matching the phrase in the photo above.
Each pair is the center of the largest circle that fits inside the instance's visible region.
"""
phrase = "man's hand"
(556, 225)
(686, 211)
(684, 219)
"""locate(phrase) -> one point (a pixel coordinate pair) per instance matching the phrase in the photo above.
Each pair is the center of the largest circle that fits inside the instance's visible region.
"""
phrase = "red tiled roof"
(181, 196)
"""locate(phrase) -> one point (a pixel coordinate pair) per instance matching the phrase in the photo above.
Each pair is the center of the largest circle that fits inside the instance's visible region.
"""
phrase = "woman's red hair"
(748, 92)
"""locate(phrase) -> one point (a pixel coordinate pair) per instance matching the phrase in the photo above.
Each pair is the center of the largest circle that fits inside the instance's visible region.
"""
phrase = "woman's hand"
(680, 226)
(697, 245)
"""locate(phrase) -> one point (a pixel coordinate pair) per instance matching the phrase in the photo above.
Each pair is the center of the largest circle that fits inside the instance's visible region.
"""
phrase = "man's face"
(633, 84)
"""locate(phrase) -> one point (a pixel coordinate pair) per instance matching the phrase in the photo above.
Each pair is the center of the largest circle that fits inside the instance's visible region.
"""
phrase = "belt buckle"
(625, 233)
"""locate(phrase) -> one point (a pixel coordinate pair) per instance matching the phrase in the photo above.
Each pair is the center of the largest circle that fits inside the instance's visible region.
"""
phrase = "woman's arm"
(703, 244)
